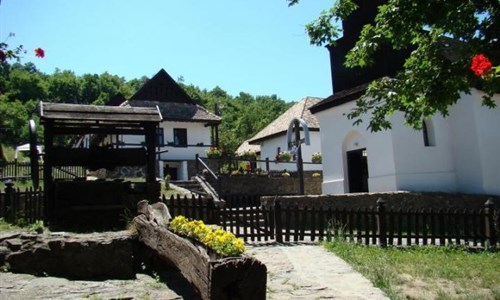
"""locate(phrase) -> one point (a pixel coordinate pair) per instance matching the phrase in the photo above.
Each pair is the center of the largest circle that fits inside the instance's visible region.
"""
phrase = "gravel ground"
(297, 271)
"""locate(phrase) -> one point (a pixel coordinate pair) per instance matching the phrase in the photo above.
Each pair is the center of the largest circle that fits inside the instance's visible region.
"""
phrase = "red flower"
(39, 52)
(481, 65)
(3, 56)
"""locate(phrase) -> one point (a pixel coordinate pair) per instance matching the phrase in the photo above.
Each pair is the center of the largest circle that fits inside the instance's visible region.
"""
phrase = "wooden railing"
(22, 170)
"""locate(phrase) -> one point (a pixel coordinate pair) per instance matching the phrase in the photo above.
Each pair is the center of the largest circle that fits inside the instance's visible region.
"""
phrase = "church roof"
(339, 98)
(280, 125)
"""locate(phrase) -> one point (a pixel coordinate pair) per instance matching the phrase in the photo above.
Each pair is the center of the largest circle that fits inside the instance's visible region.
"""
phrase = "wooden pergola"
(77, 120)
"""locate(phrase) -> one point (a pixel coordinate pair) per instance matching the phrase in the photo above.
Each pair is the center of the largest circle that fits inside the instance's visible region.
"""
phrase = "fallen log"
(213, 276)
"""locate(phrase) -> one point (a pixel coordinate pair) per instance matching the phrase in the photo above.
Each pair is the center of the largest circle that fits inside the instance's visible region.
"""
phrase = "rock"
(157, 213)
(97, 256)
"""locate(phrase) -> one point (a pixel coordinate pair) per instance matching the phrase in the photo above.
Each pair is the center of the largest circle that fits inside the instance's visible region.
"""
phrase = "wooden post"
(300, 165)
(381, 222)
(7, 212)
(267, 164)
(197, 163)
(277, 221)
(489, 223)
(48, 184)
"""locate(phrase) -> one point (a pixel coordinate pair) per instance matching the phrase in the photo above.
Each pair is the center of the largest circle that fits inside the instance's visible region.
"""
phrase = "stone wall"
(396, 200)
(263, 185)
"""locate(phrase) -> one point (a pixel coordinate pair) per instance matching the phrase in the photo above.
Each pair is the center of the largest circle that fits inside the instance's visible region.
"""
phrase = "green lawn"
(426, 272)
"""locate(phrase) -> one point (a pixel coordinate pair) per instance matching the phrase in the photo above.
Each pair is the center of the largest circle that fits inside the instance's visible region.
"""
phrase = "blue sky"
(259, 47)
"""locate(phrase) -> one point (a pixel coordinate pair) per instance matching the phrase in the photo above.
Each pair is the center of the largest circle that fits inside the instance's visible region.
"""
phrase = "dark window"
(428, 133)
(160, 140)
(180, 137)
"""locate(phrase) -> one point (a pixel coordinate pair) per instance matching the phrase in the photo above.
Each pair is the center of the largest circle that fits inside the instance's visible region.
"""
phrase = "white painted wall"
(464, 158)
(269, 148)
(196, 133)
(178, 156)
(476, 144)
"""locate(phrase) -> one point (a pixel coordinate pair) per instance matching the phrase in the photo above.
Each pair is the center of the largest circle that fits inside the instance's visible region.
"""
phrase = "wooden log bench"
(214, 277)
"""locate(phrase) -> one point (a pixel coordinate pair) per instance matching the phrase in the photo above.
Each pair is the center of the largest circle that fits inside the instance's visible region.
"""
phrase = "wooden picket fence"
(369, 226)
(282, 223)
(17, 205)
(22, 171)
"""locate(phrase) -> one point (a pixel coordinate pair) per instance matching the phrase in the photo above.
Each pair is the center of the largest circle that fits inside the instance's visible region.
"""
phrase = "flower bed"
(213, 275)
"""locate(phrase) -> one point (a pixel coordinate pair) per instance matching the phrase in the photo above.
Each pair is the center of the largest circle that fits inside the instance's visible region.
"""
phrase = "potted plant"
(316, 158)
(285, 156)
(249, 154)
(213, 152)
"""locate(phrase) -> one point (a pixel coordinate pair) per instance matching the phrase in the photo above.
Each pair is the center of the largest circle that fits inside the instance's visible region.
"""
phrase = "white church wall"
(476, 139)
(420, 167)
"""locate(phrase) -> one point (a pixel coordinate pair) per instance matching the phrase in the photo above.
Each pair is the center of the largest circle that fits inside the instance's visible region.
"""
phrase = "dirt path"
(303, 271)
(309, 271)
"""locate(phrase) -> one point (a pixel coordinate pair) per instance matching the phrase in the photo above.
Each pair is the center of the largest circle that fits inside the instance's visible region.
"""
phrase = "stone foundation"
(395, 200)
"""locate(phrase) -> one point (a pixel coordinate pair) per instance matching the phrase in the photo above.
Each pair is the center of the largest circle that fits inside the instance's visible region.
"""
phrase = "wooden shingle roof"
(280, 125)
(245, 146)
(162, 88)
(339, 98)
(174, 103)
(82, 112)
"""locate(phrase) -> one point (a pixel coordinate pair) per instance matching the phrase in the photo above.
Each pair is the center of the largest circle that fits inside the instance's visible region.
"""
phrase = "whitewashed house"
(273, 138)
(186, 129)
(458, 153)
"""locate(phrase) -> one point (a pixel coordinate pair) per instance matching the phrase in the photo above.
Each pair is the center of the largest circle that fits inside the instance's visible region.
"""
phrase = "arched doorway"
(357, 169)
(355, 163)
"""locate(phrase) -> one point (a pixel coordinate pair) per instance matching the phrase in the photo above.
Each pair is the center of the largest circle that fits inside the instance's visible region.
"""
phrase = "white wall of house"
(197, 133)
(463, 157)
(269, 149)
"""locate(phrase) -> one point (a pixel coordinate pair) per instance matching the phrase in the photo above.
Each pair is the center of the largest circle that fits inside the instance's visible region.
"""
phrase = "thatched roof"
(280, 125)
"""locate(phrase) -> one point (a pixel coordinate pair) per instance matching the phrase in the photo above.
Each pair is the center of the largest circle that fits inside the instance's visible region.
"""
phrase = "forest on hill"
(23, 86)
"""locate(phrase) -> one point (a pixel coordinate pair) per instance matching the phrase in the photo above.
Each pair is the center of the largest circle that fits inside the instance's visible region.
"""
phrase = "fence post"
(381, 222)
(267, 164)
(7, 211)
(197, 164)
(489, 223)
(277, 221)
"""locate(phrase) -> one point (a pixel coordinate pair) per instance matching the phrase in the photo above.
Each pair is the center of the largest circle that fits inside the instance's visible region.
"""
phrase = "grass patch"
(425, 272)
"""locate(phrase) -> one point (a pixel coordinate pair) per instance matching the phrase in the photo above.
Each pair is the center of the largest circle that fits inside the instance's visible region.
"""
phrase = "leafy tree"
(25, 84)
(13, 124)
(64, 86)
(428, 82)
